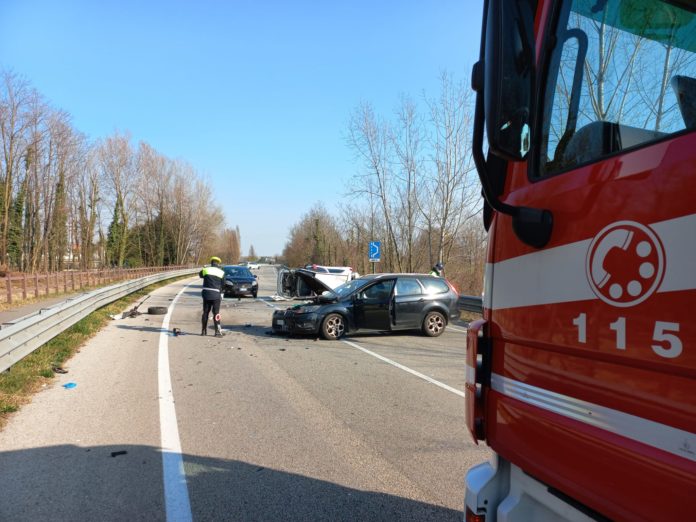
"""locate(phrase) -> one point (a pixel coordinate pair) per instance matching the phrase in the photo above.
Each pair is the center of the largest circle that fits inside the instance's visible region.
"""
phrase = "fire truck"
(581, 376)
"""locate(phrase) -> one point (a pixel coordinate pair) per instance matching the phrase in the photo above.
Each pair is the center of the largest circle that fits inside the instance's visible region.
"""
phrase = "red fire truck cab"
(581, 376)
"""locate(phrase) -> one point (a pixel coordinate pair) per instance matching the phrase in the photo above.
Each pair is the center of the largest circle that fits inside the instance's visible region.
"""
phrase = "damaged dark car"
(378, 302)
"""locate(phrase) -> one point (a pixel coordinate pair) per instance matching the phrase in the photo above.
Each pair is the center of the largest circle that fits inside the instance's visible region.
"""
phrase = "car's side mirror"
(255, 276)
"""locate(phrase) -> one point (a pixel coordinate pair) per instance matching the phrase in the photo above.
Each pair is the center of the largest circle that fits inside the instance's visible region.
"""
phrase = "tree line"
(69, 202)
(416, 191)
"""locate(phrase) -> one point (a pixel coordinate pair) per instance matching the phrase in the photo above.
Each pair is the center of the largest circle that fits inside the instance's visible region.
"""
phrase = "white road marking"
(456, 328)
(176, 497)
(406, 369)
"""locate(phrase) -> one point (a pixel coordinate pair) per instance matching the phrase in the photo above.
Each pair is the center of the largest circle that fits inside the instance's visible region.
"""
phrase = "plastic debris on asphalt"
(69, 385)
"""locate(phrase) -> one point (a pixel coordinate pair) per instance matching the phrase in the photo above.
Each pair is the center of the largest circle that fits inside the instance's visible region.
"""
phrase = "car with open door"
(377, 302)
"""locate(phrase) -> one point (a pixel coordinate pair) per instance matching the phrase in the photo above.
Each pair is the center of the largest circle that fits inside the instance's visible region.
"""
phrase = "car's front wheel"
(333, 327)
(434, 324)
(255, 294)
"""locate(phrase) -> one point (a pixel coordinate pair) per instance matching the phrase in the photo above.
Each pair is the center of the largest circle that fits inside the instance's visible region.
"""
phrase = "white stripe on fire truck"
(666, 438)
(557, 275)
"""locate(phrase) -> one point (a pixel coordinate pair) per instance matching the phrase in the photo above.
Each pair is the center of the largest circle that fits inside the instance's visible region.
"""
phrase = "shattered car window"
(350, 286)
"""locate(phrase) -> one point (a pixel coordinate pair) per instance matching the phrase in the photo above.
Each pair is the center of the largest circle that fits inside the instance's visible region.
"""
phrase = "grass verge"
(29, 375)
(469, 317)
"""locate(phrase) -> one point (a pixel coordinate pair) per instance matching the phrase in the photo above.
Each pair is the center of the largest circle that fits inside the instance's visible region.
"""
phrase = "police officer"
(213, 282)
(437, 270)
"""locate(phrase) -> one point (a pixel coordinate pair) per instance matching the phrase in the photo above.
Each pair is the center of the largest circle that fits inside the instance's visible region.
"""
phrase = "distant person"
(213, 282)
(437, 270)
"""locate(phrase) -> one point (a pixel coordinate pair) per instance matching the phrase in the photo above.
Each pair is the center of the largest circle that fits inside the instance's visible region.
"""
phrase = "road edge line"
(176, 496)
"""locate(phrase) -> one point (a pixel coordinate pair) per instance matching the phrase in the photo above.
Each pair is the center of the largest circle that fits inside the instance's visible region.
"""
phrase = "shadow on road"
(124, 482)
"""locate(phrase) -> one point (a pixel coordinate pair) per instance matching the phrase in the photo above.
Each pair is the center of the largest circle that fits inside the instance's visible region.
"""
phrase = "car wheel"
(255, 294)
(333, 327)
(434, 324)
(157, 310)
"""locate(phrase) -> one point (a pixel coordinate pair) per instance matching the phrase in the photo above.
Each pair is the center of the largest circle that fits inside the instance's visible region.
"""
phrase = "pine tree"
(58, 234)
(15, 239)
(114, 237)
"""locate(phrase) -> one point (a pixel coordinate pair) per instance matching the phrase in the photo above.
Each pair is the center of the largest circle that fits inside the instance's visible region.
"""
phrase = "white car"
(253, 266)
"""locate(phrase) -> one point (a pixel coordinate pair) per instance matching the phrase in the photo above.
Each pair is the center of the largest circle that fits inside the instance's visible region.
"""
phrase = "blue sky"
(256, 95)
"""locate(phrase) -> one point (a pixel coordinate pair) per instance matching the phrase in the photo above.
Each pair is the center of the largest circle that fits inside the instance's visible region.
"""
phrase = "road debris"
(176, 331)
(117, 453)
(133, 312)
(58, 369)
(69, 385)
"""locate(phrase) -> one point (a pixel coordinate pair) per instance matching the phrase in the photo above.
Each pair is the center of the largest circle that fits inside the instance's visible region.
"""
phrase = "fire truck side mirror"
(502, 79)
(508, 77)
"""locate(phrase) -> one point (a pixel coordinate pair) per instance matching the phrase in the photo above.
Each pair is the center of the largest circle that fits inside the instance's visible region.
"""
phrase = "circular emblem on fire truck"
(625, 263)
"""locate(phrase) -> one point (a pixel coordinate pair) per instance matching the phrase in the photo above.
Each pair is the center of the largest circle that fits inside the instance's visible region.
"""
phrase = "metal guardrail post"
(8, 284)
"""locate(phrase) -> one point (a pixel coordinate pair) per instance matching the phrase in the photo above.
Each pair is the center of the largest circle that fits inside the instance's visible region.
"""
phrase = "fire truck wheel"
(434, 324)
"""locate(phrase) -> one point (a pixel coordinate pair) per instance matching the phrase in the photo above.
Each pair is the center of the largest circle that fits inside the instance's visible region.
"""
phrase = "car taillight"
(452, 287)
(472, 517)
(477, 376)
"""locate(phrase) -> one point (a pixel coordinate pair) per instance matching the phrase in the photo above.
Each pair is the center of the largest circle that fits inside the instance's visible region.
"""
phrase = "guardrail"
(22, 336)
(471, 303)
(23, 285)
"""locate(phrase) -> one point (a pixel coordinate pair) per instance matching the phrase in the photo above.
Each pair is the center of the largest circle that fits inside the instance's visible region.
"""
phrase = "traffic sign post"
(374, 253)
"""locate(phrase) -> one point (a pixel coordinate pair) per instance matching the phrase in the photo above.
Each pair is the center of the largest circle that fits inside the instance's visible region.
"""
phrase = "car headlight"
(254, 283)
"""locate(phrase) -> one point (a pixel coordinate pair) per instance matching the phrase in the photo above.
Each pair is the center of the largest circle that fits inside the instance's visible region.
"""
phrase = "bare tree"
(408, 143)
(119, 175)
(371, 140)
(454, 188)
(15, 99)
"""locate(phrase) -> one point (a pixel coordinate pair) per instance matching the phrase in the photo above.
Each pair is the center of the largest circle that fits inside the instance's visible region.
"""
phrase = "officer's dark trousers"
(208, 306)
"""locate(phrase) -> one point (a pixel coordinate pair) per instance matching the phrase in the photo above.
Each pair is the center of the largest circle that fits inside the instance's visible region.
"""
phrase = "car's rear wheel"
(434, 324)
(333, 327)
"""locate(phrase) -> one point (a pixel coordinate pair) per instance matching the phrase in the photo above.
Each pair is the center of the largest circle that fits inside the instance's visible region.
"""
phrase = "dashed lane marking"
(406, 369)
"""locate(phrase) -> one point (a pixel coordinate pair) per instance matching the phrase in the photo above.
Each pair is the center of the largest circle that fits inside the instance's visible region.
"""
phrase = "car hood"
(287, 282)
(309, 278)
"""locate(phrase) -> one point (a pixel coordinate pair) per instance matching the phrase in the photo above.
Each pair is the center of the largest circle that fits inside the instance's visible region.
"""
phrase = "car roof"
(394, 274)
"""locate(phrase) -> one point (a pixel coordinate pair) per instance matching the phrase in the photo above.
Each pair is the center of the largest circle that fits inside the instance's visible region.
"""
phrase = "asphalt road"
(250, 426)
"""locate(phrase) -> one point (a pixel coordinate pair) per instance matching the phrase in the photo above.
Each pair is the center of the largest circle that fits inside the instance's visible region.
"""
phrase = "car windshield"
(346, 288)
(237, 271)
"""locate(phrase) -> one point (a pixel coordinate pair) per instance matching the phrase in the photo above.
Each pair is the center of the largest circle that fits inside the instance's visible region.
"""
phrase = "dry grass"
(469, 317)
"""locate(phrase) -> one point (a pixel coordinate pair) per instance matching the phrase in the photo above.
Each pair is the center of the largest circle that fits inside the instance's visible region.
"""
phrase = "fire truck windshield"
(624, 77)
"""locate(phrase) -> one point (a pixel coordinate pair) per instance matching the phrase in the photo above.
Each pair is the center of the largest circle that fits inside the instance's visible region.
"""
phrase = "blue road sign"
(375, 251)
